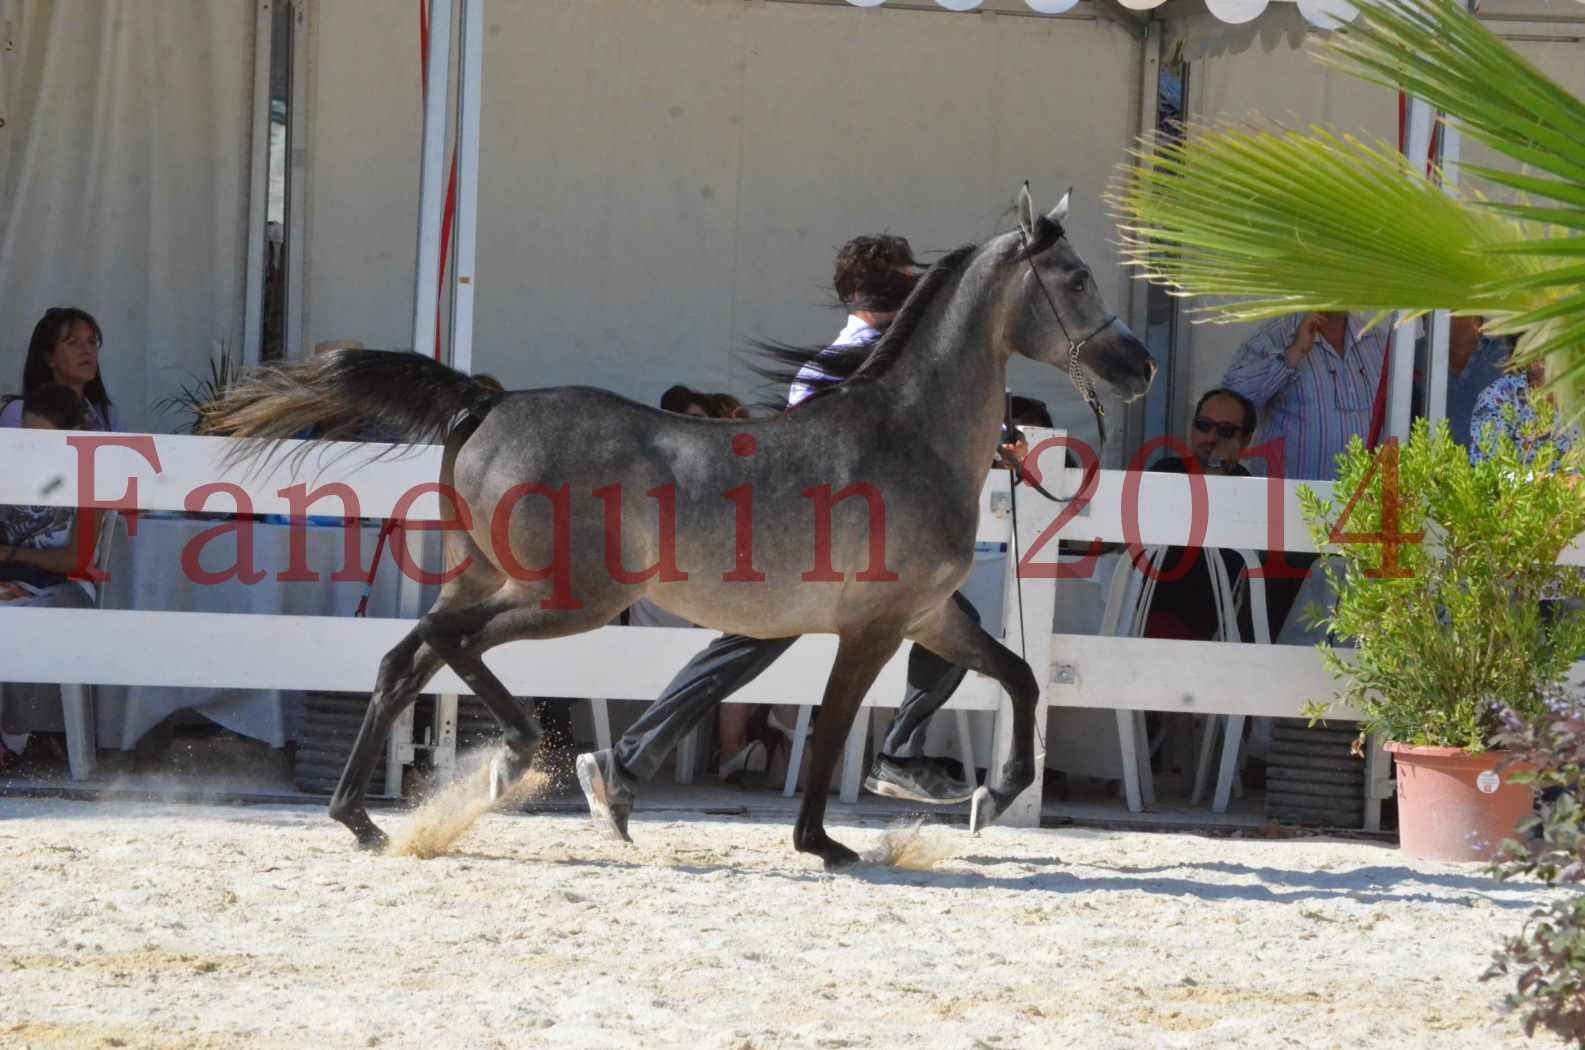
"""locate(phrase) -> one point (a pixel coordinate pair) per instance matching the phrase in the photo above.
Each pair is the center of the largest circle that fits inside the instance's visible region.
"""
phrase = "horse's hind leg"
(506, 618)
(521, 728)
(403, 672)
(860, 658)
(461, 633)
(954, 636)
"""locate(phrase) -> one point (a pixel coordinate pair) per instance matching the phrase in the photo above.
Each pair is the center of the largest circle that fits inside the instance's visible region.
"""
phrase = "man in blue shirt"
(1474, 362)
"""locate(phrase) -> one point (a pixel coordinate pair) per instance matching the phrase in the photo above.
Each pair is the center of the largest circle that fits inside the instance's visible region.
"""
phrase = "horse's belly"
(785, 603)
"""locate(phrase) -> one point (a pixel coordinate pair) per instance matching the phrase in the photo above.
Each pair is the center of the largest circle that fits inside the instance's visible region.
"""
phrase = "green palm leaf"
(1275, 221)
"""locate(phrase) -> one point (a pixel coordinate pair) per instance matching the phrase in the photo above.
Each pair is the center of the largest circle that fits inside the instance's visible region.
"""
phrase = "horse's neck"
(947, 386)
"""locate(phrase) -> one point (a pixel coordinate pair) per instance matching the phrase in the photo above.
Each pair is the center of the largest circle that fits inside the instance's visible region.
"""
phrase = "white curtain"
(123, 184)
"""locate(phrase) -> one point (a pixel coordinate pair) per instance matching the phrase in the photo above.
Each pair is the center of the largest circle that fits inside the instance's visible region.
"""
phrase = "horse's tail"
(400, 396)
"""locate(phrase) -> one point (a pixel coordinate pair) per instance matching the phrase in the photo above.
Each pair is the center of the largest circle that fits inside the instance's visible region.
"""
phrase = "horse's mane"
(779, 363)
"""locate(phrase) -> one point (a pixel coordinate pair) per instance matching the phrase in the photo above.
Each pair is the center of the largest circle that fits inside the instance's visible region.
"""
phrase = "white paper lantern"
(866, 3)
(1052, 7)
(1328, 14)
(1236, 12)
(960, 5)
(1141, 5)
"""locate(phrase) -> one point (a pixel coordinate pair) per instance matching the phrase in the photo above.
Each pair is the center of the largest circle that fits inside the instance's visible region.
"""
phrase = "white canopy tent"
(1318, 14)
(660, 180)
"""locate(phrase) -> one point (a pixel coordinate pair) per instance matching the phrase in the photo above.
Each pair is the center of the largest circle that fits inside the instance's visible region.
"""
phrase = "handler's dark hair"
(779, 363)
(871, 273)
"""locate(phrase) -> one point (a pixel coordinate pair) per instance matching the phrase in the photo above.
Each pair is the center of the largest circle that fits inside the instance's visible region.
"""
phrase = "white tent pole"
(1437, 369)
(1400, 388)
(258, 183)
(432, 174)
(470, 77)
(431, 202)
(296, 183)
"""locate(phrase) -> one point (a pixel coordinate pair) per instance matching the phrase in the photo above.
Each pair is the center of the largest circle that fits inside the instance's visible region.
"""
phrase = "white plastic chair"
(1230, 726)
(77, 700)
(1128, 598)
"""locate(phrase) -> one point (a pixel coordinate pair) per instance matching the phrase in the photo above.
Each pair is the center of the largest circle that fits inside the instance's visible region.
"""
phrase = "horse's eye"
(1079, 281)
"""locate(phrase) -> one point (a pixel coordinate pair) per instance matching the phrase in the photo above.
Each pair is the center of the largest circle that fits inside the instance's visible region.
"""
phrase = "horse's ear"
(1060, 213)
(1026, 212)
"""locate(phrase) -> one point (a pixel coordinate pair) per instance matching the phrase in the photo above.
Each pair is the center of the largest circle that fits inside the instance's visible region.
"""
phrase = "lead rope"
(1013, 470)
(1080, 378)
(389, 526)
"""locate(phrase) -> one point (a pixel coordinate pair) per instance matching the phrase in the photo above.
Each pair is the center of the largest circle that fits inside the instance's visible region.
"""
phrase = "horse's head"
(1055, 308)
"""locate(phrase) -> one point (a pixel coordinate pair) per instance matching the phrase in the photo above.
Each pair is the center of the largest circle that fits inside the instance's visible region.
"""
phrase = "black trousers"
(732, 661)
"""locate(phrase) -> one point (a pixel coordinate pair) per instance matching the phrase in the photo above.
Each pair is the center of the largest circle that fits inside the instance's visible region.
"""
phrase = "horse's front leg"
(860, 657)
(954, 636)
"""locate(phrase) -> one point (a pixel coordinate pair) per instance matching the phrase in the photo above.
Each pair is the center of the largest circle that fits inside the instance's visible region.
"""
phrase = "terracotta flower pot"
(1454, 805)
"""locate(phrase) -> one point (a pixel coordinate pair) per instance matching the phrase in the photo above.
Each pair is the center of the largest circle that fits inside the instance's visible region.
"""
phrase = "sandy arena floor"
(149, 925)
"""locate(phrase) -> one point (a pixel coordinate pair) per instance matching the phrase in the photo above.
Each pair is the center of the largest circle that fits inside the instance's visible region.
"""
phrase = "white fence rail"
(175, 649)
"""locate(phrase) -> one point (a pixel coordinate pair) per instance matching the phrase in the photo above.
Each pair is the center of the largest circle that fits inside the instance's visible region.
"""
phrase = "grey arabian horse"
(853, 515)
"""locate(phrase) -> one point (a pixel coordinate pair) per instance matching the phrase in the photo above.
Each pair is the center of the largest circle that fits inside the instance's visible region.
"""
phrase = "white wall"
(123, 167)
(662, 180)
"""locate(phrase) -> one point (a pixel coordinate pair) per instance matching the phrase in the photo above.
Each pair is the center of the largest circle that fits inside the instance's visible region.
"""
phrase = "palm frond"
(1437, 51)
(200, 391)
(1282, 221)
(1279, 221)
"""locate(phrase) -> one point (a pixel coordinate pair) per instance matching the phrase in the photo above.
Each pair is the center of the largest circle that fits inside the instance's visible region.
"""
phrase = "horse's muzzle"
(1121, 361)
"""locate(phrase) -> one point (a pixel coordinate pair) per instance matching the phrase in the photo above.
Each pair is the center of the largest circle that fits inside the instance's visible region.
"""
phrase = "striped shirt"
(856, 333)
(1314, 408)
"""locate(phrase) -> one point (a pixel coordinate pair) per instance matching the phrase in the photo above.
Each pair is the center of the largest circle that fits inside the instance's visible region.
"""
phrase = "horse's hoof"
(838, 857)
(373, 840)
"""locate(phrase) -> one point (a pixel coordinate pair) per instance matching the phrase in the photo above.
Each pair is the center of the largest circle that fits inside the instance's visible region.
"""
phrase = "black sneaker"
(609, 792)
(918, 780)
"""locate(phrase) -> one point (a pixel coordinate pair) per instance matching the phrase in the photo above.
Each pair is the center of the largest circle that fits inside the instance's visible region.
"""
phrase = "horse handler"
(874, 275)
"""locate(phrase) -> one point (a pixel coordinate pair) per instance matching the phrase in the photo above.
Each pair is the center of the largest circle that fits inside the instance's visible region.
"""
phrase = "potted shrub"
(199, 391)
(1546, 960)
(1449, 593)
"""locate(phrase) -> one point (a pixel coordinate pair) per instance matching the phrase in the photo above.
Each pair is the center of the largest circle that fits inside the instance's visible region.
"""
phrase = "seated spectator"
(1026, 412)
(64, 349)
(38, 551)
(1184, 605)
(39, 560)
(1474, 362)
(1507, 408)
(684, 401)
(725, 406)
(688, 402)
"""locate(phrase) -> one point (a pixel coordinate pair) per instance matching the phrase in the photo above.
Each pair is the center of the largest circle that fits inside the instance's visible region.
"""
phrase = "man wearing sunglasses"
(1185, 604)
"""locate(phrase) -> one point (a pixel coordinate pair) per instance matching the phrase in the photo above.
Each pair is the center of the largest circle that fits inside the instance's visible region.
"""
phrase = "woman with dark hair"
(65, 350)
